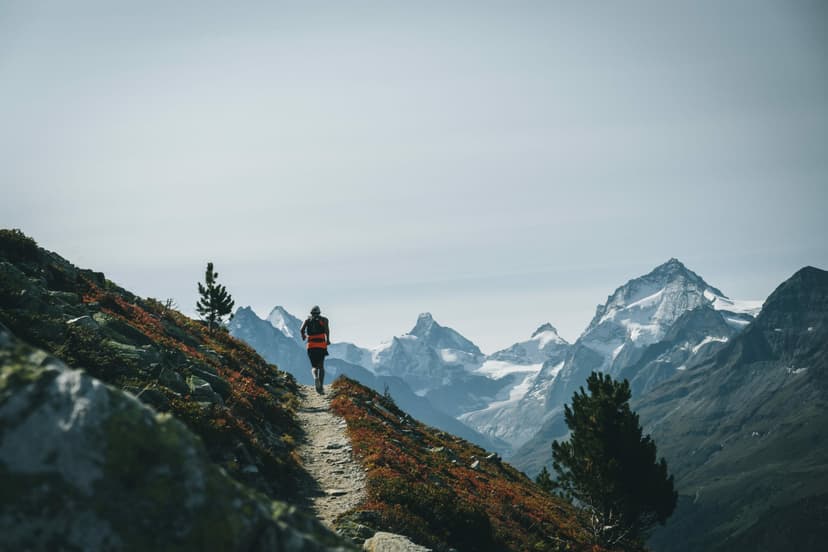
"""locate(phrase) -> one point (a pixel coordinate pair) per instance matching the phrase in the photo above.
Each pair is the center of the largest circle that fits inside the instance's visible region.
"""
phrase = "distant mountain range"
(646, 331)
(278, 340)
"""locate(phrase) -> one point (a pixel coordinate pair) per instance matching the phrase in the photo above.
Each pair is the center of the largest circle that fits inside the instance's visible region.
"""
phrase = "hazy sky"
(499, 164)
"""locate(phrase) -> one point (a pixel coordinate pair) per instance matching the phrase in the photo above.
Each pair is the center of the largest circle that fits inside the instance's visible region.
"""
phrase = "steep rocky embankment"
(85, 465)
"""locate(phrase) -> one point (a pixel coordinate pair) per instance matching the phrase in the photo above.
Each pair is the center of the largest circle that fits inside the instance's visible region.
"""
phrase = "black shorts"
(317, 357)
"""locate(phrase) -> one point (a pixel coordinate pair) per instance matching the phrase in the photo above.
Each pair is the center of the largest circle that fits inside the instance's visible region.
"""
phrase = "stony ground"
(338, 480)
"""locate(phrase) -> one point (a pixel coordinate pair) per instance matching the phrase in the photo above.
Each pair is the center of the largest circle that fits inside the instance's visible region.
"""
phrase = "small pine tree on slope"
(609, 467)
(215, 302)
(544, 481)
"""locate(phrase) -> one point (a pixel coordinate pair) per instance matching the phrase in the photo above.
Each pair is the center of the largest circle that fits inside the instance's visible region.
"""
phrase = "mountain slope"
(85, 466)
(744, 431)
(544, 344)
(419, 407)
(60, 426)
(242, 407)
(530, 363)
(443, 492)
(690, 340)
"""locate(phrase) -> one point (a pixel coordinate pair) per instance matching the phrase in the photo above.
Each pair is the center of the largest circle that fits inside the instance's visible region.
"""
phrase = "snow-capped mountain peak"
(544, 344)
(644, 308)
(547, 335)
(285, 322)
(441, 337)
(425, 323)
(545, 328)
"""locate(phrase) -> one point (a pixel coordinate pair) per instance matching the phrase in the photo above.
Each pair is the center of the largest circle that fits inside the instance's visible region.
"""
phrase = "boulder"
(171, 379)
(390, 542)
(217, 383)
(201, 391)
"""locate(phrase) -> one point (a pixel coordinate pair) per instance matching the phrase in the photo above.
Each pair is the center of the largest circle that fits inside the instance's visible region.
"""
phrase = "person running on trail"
(317, 331)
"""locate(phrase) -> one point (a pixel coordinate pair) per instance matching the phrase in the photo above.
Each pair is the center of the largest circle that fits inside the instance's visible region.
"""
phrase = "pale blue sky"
(500, 164)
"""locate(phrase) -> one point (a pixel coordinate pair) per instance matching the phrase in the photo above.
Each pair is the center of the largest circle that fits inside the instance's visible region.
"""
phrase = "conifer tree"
(609, 467)
(215, 302)
(544, 481)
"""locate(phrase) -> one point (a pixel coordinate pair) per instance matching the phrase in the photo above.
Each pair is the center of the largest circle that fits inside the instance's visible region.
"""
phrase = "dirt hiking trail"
(338, 479)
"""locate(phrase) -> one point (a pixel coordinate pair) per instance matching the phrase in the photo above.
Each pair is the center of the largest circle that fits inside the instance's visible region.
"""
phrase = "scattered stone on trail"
(327, 456)
(389, 542)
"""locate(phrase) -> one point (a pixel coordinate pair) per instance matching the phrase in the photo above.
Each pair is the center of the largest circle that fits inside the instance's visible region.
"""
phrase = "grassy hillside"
(444, 492)
(239, 405)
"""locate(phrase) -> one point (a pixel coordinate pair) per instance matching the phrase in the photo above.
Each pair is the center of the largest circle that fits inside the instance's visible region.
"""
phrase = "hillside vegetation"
(240, 406)
(442, 491)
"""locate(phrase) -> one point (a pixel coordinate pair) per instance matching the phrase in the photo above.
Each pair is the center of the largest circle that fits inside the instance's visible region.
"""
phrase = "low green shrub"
(17, 246)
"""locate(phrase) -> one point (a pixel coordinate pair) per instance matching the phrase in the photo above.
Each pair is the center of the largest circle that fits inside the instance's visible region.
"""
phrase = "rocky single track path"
(338, 479)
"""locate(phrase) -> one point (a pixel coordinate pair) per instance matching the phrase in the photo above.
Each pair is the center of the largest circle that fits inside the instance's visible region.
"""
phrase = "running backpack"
(316, 325)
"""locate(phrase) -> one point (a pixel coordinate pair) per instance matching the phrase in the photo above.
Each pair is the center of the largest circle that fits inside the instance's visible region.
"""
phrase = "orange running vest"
(318, 340)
